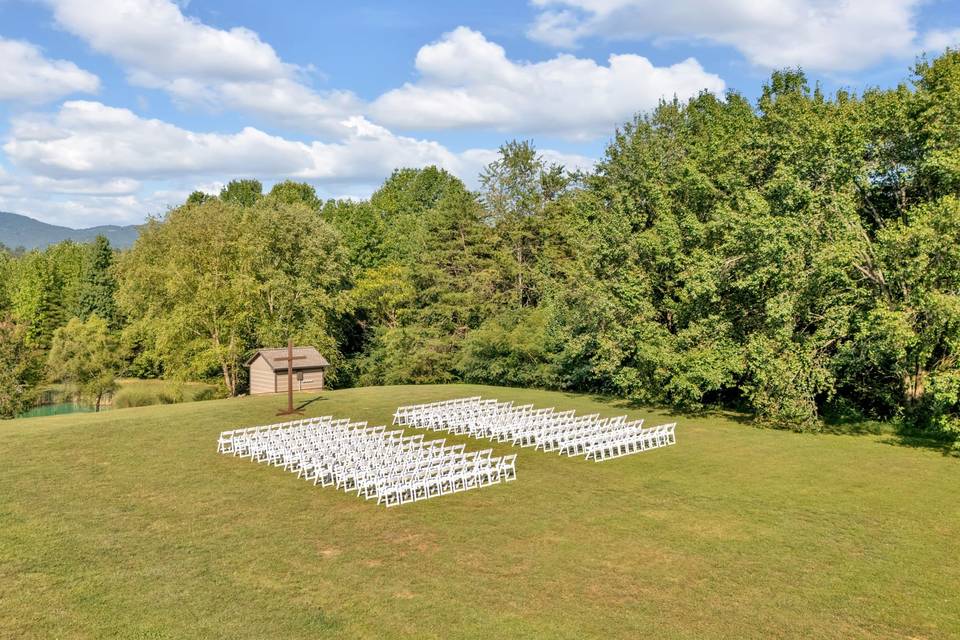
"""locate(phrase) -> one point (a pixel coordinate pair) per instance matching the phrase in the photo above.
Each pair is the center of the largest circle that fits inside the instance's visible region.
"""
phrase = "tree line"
(795, 257)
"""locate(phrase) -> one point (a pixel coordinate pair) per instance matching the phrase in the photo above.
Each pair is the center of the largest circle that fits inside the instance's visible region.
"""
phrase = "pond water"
(59, 409)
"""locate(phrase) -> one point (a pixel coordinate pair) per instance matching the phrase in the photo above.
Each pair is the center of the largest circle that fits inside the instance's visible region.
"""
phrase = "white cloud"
(158, 42)
(824, 35)
(91, 140)
(197, 64)
(27, 76)
(89, 163)
(467, 81)
(936, 40)
(92, 163)
(84, 186)
(293, 104)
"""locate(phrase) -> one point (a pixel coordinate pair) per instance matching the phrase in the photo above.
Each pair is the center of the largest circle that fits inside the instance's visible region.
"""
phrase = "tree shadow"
(947, 447)
(889, 433)
(839, 423)
(627, 404)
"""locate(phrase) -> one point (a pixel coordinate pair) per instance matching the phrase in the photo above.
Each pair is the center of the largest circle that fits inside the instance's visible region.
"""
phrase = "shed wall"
(312, 380)
(262, 379)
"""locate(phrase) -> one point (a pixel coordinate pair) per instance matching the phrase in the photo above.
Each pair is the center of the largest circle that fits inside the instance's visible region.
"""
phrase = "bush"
(205, 394)
(132, 398)
(166, 398)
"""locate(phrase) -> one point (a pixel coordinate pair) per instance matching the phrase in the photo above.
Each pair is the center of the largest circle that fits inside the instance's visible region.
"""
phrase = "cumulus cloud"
(197, 64)
(90, 139)
(91, 164)
(27, 76)
(467, 81)
(87, 139)
(84, 186)
(158, 42)
(825, 35)
(106, 162)
(936, 40)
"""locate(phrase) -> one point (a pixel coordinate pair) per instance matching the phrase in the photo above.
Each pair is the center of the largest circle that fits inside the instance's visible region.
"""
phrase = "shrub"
(166, 398)
(127, 398)
(205, 394)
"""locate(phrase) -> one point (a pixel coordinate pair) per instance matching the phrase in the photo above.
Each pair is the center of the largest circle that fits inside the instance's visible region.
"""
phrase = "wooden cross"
(289, 358)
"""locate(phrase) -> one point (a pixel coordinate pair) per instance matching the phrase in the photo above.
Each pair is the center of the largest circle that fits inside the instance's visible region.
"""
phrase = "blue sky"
(114, 110)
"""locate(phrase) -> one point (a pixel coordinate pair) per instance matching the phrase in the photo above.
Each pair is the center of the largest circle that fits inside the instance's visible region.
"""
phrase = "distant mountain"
(21, 231)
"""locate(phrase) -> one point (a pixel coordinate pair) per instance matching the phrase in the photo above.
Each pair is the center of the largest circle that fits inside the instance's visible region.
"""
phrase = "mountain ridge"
(18, 230)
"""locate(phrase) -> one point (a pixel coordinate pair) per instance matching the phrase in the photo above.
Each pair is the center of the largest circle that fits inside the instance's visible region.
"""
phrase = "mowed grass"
(128, 524)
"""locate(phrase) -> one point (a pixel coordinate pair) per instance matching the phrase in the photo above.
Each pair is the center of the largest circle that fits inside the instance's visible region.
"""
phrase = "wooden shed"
(268, 370)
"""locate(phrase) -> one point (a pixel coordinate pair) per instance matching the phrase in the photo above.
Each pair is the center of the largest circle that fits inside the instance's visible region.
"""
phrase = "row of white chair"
(371, 461)
(590, 435)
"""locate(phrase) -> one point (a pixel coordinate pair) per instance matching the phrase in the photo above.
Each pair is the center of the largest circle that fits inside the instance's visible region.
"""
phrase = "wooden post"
(289, 360)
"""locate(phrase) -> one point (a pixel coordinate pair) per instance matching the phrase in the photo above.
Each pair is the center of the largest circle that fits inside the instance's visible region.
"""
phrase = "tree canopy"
(793, 256)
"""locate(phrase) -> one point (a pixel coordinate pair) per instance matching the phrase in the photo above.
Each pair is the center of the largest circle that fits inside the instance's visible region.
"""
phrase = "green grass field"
(128, 524)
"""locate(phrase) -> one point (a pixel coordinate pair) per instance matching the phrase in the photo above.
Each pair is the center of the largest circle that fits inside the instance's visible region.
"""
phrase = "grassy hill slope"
(128, 524)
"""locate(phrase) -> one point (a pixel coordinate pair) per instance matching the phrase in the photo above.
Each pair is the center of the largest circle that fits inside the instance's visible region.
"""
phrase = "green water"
(59, 409)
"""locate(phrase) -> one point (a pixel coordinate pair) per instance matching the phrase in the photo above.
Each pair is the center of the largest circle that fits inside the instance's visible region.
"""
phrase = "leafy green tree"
(516, 189)
(183, 285)
(298, 270)
(67, 261)
(514, 348)
(198, 197)
(98, 286)
(242, 192)
(84, 355)
(364, 231)
(446, 274)
(290, 192)
(936, 112)
(7, 280)
(37, 300)
(212, 281)
(385, 293)
(20, 369)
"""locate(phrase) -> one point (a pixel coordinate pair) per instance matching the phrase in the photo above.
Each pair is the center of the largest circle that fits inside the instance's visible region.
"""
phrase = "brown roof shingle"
(312, 358)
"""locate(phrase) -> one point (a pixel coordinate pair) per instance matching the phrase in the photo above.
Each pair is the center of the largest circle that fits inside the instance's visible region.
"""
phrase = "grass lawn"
(128, 524)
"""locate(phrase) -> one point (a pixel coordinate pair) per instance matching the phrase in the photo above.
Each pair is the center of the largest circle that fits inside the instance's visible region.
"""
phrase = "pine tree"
(99, 285)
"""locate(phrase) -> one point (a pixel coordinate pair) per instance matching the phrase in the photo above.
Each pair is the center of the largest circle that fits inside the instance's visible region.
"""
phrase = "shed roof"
(312, 358)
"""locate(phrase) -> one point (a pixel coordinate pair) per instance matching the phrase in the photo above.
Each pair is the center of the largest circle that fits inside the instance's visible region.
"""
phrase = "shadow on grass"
(949, 448)
(706, 413)
(838, 423)
(889, 433)
(892, 433)
(306, 403)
